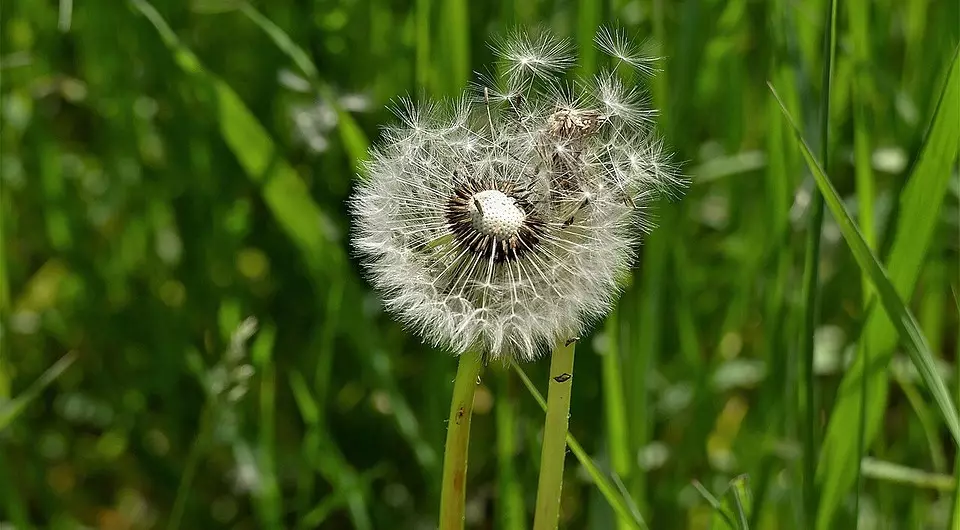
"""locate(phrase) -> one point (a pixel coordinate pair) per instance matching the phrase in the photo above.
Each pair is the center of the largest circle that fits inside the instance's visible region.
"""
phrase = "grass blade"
(955, 508)
(298, 215)
(354, 140)
(510, 505)
(721, 516)
(13, 408)
(733, 512)
(925, 191)
(811, 282)
(269, 502)
(323, 452)
(283, 190)
(589, 18)
(456, 46)
(423, 67)
(859, 12)
(608, 490)
(918, 478)
(929, 424)
(742, 501)
(903, 320)
(614, 404)
(11, 497)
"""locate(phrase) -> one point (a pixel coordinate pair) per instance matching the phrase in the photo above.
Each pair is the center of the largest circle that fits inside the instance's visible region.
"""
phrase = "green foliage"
(170, 168)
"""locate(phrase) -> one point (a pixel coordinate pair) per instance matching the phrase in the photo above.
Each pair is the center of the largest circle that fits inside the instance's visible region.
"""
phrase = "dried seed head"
(505, 220)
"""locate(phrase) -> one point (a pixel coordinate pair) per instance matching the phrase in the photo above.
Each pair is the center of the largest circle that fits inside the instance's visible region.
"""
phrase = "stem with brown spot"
(454, 487)
(547, 515)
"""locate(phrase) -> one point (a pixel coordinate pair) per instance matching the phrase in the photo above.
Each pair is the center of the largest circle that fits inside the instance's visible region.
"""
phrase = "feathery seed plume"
(506, 220)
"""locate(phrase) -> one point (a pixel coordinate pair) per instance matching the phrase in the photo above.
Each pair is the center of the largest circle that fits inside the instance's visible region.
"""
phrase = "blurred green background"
(170, 170)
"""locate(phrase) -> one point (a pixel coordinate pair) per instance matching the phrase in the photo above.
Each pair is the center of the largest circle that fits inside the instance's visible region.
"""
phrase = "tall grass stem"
(190, 468)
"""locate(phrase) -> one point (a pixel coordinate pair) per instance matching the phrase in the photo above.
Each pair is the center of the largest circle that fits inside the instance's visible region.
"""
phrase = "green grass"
(155, 191)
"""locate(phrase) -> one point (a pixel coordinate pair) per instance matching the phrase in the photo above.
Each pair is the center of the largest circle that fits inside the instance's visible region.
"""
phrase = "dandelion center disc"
(494, 213)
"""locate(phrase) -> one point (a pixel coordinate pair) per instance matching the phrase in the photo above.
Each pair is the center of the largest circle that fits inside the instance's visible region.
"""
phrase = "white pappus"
(506, 220)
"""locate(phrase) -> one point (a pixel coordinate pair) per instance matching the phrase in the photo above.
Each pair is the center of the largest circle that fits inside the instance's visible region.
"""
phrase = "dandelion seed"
(618, 102)
(504, 221)
(614, 42)
(533, 56)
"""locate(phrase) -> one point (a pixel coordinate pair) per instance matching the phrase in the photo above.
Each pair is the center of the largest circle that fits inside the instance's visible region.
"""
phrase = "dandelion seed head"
(506, 220)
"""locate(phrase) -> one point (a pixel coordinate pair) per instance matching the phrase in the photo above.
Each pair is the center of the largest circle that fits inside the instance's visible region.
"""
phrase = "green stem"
(955, 508)
(190, 468)
(614, 405)
(453, 489)
(511, 506)
(554, 450)
(621, 505)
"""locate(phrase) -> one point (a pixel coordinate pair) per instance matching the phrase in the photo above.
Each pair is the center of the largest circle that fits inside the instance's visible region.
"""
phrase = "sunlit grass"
(155, 192)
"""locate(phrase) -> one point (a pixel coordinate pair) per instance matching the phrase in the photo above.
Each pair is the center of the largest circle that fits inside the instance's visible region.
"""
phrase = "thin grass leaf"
(625, 495)
(340, 499)
(904, 321)
(705, 493)
(456, 46)
(424, 74)
(858, 12)
(742, 500)
(643, 313)
(300, 218)
(13, 408)
(721, 516)
(333, 466)
(929, 424)
(354, 140)
(324, 453)
(614, 405)
(10, 496)
(589, 18)
(955, 505)
(268, 499)
(811, 281)
(924, 193)
(734, 511)
(309, 410)
(321, 345)
(322, 510)
(780, 408)
(510, 504)
(4, 280)
(907, 476)
(619, 505)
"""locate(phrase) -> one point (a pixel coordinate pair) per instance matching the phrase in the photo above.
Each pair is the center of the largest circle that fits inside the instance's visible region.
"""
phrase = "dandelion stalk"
(499, 223)
(453, 490)
(554, 448)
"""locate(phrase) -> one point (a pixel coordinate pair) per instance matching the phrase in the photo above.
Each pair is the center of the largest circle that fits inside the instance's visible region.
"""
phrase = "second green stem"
(547, 515)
